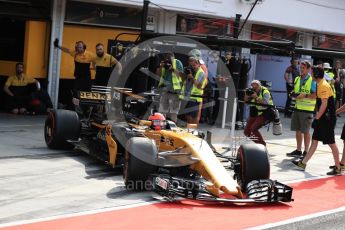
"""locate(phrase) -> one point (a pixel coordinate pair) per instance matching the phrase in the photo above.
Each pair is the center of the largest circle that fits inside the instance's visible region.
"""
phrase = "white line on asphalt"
(298, 219)
(96, 211)
(11, 126)
(306, 179)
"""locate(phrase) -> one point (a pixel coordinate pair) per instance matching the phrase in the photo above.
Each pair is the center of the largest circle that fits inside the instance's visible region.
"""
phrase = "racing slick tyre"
(252, 164)
(60, 126)
(137, 170)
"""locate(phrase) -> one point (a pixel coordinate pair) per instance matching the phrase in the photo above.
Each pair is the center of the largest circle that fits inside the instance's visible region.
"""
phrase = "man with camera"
(194, 82)
(259, 113)
(305, 94)
(170, 71)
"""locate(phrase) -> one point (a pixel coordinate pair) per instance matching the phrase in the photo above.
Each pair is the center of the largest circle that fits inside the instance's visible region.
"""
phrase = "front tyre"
(252, 164)
(136, 171)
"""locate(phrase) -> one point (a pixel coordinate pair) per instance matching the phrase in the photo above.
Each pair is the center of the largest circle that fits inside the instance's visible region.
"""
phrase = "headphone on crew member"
(76, 44)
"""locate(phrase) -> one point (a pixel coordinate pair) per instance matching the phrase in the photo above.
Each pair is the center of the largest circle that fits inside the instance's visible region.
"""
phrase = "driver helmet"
(158, 121)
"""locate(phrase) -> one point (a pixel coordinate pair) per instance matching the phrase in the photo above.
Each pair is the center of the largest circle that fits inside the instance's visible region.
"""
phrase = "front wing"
(258, 191)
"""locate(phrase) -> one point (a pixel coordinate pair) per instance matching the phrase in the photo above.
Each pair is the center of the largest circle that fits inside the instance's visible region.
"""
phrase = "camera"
(187, 70)
(56, 43)
(167, 63)
(249, 91)
(293, 94)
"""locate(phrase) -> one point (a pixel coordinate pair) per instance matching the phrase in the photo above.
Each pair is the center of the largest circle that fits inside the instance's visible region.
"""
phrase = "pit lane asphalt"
(36, 182)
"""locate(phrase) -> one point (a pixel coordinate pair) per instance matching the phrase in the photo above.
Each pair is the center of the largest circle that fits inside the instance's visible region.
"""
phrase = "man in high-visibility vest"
(194, 82)
(170, 71)
(302, 117)
(198, 55)
(260, 95)
(323, 124)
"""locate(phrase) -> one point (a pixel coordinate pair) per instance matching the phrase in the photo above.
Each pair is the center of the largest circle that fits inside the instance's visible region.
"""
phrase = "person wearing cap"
(259, 95)
(329, 77)
(305, 95)
(197, 54)
(170, 71)
(323, 124)
(194, 82)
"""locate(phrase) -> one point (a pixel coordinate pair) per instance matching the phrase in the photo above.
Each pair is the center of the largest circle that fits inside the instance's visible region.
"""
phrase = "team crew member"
(170, 83)
(302, 117)
(16, 87)
(82, 61)
(324, 123)
(194, 82)
(260, 95)
(103, 64)
(342, 162)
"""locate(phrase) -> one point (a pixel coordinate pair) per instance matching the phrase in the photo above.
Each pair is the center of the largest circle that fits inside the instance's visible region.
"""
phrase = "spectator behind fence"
(323, 124)
(82, 61)
(304, 93)
(170, 83)
(290, 74)
(259, 115)
(103, 64)
(18, 90)
(339, 86)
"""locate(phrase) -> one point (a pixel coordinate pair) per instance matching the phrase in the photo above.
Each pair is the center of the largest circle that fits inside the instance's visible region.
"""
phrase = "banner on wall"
(197, 25)
(97, 14)
(329, 41)
(268, 33)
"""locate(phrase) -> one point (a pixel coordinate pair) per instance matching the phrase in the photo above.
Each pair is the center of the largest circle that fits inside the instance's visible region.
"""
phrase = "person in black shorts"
(338, 111)
(323, 124)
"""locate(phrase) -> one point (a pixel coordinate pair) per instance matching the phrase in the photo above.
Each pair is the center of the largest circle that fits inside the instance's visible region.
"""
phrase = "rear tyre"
(253, 164)
(136, 172)
(60, 126)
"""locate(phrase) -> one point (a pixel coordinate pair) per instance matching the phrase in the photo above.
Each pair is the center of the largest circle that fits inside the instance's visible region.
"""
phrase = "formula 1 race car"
(159, 156)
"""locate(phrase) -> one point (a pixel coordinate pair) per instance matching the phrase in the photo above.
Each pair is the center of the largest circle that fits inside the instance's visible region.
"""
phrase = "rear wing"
(117, 101)
(102, 94)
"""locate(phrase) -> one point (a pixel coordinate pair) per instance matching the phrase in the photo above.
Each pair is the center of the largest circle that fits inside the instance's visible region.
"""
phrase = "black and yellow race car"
(157, 155)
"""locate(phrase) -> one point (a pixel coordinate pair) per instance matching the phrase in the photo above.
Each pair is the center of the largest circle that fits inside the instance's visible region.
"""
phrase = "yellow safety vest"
(176, 80)
(195, 90)
(260, 108)
(304, 104)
